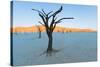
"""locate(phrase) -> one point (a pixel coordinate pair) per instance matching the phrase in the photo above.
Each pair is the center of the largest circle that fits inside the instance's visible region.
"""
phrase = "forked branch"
(63, 19)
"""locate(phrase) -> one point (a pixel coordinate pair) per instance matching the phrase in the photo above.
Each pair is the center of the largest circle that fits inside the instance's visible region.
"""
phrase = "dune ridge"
(42, 29)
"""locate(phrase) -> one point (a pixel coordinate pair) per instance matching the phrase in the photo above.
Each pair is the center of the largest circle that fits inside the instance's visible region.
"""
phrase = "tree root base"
(49, 52)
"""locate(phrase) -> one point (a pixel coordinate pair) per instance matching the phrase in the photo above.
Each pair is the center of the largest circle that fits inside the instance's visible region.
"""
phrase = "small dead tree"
(39, 31)
(50, 17)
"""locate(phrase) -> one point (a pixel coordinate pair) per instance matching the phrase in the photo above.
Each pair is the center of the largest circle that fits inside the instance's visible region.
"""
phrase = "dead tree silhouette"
(49, 21)
(39, 31)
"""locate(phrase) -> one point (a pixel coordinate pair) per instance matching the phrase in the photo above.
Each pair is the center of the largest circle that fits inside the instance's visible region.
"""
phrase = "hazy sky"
(85, 15)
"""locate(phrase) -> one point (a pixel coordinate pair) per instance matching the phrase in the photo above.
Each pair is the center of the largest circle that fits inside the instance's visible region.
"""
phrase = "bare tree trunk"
(39, 34)
(50, 42)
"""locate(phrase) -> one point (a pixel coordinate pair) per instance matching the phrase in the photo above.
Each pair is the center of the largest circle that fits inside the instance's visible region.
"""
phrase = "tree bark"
(50, 42)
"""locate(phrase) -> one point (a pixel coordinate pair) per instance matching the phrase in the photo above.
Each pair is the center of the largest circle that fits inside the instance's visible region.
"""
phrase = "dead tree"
(39, 31)
(49, 21)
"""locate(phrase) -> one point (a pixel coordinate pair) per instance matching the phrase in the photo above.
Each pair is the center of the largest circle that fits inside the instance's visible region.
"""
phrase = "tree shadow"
(51, 53)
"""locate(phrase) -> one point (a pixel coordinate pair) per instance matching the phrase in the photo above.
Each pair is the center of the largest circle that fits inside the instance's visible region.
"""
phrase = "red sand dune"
(42, 28)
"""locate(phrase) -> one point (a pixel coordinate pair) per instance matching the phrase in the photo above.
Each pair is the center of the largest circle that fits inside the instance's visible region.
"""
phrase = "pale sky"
(85, 15)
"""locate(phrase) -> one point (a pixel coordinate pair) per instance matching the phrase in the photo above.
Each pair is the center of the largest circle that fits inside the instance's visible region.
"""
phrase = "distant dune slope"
(42, 28)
